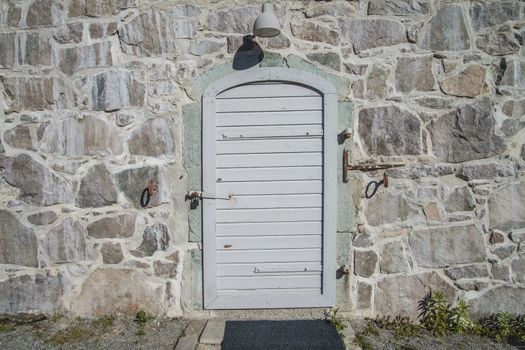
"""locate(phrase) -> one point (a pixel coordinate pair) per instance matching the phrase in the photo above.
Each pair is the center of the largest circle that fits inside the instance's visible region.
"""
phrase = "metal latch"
(364, 166)
(270, 270)
(207, 195)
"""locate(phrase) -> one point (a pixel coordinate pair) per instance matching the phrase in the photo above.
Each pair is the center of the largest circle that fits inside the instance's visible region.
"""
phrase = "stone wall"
(99, 96)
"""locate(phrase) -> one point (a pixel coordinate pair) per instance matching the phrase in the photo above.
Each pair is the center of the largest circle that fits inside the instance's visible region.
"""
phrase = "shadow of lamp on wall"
(249, 54)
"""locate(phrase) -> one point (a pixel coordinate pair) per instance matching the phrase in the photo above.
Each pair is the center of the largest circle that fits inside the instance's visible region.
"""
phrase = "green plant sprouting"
(460, 318)
(401, 325)
(503, 327)
(335, 320)
(439, 316)
(142, 318)
(436, 313)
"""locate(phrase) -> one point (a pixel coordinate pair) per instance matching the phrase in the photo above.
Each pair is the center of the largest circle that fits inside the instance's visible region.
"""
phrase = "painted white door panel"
(268, 132)
(269, 242)
(269, 160)
(272, 201)
(269, 215)
(268, 269)
(270, 298)
(269, 104)
(271, 146)
(269, 228)
(268, 256)
(269, 118)
(270, 187)
(270, 173)
(267, 90)
(270, 282)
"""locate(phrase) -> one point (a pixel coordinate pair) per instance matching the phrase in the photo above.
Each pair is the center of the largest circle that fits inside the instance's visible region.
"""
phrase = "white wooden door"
(267, 146)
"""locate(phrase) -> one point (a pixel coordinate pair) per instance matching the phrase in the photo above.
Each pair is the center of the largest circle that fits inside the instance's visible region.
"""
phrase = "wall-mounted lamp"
(266, 24)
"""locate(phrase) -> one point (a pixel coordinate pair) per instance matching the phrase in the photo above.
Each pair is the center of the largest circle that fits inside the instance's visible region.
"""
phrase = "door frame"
(329, 95)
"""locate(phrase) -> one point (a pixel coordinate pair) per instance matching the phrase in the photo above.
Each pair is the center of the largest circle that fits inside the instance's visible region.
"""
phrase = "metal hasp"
(206, 195)
(364, 166)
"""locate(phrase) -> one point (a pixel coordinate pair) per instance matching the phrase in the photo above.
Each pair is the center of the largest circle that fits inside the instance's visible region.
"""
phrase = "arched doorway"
(269, 190)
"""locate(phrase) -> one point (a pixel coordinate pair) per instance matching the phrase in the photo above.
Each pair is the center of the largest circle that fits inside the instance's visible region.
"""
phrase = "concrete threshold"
(213, 333)
(192, 332)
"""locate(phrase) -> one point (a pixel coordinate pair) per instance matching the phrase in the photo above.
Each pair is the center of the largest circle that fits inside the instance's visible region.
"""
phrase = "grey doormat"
(280, 335)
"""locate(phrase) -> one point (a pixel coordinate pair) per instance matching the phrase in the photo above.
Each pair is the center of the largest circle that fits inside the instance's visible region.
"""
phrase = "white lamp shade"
(266, 24)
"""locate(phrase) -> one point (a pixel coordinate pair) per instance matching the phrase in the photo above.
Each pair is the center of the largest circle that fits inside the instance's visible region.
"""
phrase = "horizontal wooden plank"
(269, 159)
(270, 299)
(268, 131)
(269, 104)
(267, 90)
(269, 282)
(269, 118)
(269, 146)
(269, 215)
(262, 269)
(269, 242)
(304, 292)
(270, 173)
(270, 187)
(272, 201)
(268, 256)
(269, 228)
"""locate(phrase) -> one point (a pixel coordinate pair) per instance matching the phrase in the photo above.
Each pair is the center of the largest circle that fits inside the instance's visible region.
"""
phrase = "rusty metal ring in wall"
(376, 185)
(144, 198)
